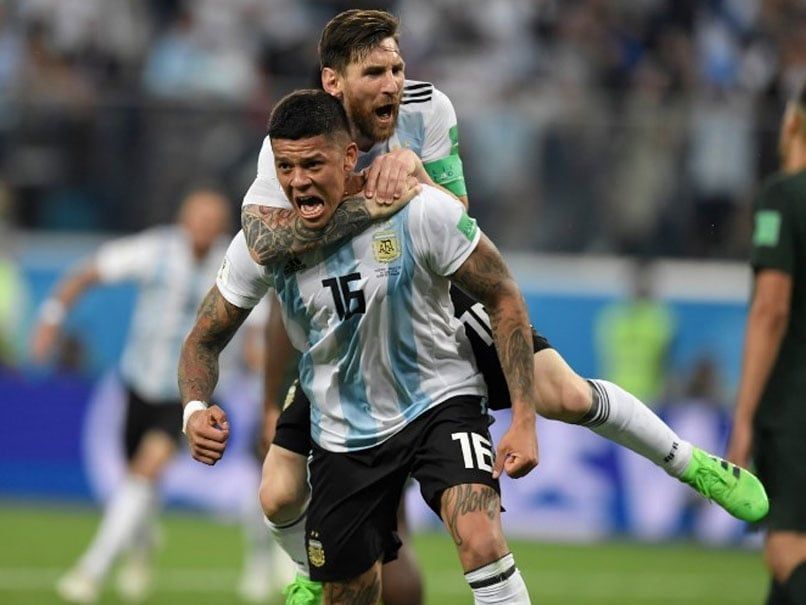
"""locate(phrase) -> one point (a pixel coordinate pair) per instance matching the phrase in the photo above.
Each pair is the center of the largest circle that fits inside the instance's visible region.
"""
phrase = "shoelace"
(708, 481)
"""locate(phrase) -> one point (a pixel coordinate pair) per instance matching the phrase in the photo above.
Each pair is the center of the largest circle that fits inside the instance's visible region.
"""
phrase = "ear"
(350, 157)
(331, 82)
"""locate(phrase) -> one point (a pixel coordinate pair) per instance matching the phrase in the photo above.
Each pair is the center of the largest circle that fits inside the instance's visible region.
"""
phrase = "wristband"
(52, 312)
(191, 408)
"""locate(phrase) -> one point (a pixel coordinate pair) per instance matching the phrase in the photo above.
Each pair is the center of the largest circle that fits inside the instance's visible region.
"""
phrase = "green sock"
(795, 585)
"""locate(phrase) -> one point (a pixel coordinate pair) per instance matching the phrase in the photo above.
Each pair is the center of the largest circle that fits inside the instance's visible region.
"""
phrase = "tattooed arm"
(485, 276)
(216, 322)
(273, 234)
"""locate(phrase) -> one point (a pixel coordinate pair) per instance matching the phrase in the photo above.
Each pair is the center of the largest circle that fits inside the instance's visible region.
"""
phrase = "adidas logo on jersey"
(292, 266)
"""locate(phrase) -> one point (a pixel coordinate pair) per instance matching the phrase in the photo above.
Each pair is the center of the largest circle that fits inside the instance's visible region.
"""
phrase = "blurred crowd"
(614, 126)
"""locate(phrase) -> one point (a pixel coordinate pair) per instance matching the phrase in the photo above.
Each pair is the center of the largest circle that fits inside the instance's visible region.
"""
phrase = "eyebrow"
(379, 67)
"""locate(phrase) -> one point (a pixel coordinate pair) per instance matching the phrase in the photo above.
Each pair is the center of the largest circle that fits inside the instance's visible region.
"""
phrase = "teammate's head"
(313, 153)
(362, 66)
(205, 215)
(793, 128)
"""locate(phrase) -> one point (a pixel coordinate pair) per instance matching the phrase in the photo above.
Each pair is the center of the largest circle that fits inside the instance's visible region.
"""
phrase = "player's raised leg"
(284, 496)
(617, 415)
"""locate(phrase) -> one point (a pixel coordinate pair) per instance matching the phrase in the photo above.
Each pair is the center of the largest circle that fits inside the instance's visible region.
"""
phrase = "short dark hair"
(352, 34)
(308, 113)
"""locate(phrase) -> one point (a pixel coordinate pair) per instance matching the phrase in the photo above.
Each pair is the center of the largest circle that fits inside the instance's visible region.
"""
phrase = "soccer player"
(770, 417)
(386, 369)
(361, 66)
(172, 267)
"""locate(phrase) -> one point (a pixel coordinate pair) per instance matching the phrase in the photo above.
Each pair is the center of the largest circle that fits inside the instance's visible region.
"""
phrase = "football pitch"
(199, 564)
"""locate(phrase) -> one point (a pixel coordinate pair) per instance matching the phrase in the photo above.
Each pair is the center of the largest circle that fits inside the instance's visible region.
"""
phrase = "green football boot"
(735, 489)
(303, 591)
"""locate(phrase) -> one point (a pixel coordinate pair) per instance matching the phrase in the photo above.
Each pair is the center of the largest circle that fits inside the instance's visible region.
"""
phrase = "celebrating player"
(384, 365)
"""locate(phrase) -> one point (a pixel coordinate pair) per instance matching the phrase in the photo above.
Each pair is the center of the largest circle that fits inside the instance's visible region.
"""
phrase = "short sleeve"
(444, 233)
(773, 230)
(241, 281)
(259, 316)
(129, 258)
(265, 189)
(440, 152)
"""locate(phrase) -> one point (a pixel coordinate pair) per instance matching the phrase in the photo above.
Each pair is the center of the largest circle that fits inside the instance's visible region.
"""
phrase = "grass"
(200, 562)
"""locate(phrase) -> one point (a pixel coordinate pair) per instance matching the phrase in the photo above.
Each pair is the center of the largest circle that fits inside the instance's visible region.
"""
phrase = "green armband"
(448, 173)
(767, 230)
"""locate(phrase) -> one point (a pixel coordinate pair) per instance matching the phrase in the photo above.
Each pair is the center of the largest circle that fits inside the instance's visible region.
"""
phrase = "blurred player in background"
(770, 417)
(414, 125)
(389, 402)
(173, 266)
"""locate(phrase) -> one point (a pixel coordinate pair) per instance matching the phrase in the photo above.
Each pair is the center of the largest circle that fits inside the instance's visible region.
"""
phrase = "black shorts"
(143, 416)
(293, 430)
(779, 462)
(480, 334)
(352, 518)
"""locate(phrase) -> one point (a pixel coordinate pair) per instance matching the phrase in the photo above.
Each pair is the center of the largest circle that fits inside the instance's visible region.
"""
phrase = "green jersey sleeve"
(773, 229)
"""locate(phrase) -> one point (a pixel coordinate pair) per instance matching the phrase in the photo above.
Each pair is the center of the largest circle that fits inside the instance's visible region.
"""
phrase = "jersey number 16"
(348, 302)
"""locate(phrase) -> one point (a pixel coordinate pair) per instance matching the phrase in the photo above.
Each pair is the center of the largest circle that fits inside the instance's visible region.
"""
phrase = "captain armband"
(448, 173)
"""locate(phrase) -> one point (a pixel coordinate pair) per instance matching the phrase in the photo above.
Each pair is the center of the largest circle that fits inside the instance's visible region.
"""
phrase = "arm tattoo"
(273, 234)
(461, 500)
(360, 591)
(485, 276)
(216, 322)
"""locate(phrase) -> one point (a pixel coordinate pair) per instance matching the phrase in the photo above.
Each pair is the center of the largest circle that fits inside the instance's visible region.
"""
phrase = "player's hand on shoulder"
(517, 452)
(380, 209)
(207, 433)
(387, 176)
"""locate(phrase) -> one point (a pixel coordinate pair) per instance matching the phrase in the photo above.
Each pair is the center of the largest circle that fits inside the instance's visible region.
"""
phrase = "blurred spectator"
(633, 338)
(13, 292)
(625, 127)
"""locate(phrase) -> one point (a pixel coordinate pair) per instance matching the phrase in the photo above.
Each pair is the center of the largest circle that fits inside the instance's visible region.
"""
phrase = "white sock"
(291, 538)
(123, 516)
(146, 536)
(257, 541)
(619, 416)
(498, 582)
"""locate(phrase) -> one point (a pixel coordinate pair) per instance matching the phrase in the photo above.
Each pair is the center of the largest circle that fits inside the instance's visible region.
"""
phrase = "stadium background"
(594, 133)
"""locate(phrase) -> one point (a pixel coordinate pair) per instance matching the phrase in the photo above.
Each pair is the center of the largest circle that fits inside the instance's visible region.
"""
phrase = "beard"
(366, 122)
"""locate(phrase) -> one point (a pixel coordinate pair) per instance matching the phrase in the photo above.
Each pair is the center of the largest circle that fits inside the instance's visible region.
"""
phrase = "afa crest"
(386, 246)
(316, 553)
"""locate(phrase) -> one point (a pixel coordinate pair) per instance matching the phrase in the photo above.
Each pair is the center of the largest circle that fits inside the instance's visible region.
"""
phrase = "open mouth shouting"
(310, 207)
(385, 113)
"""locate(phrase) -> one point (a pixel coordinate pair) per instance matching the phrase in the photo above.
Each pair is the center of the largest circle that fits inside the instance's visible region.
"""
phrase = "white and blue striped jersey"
(373, 319)
(426, 124)
(171, 286)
